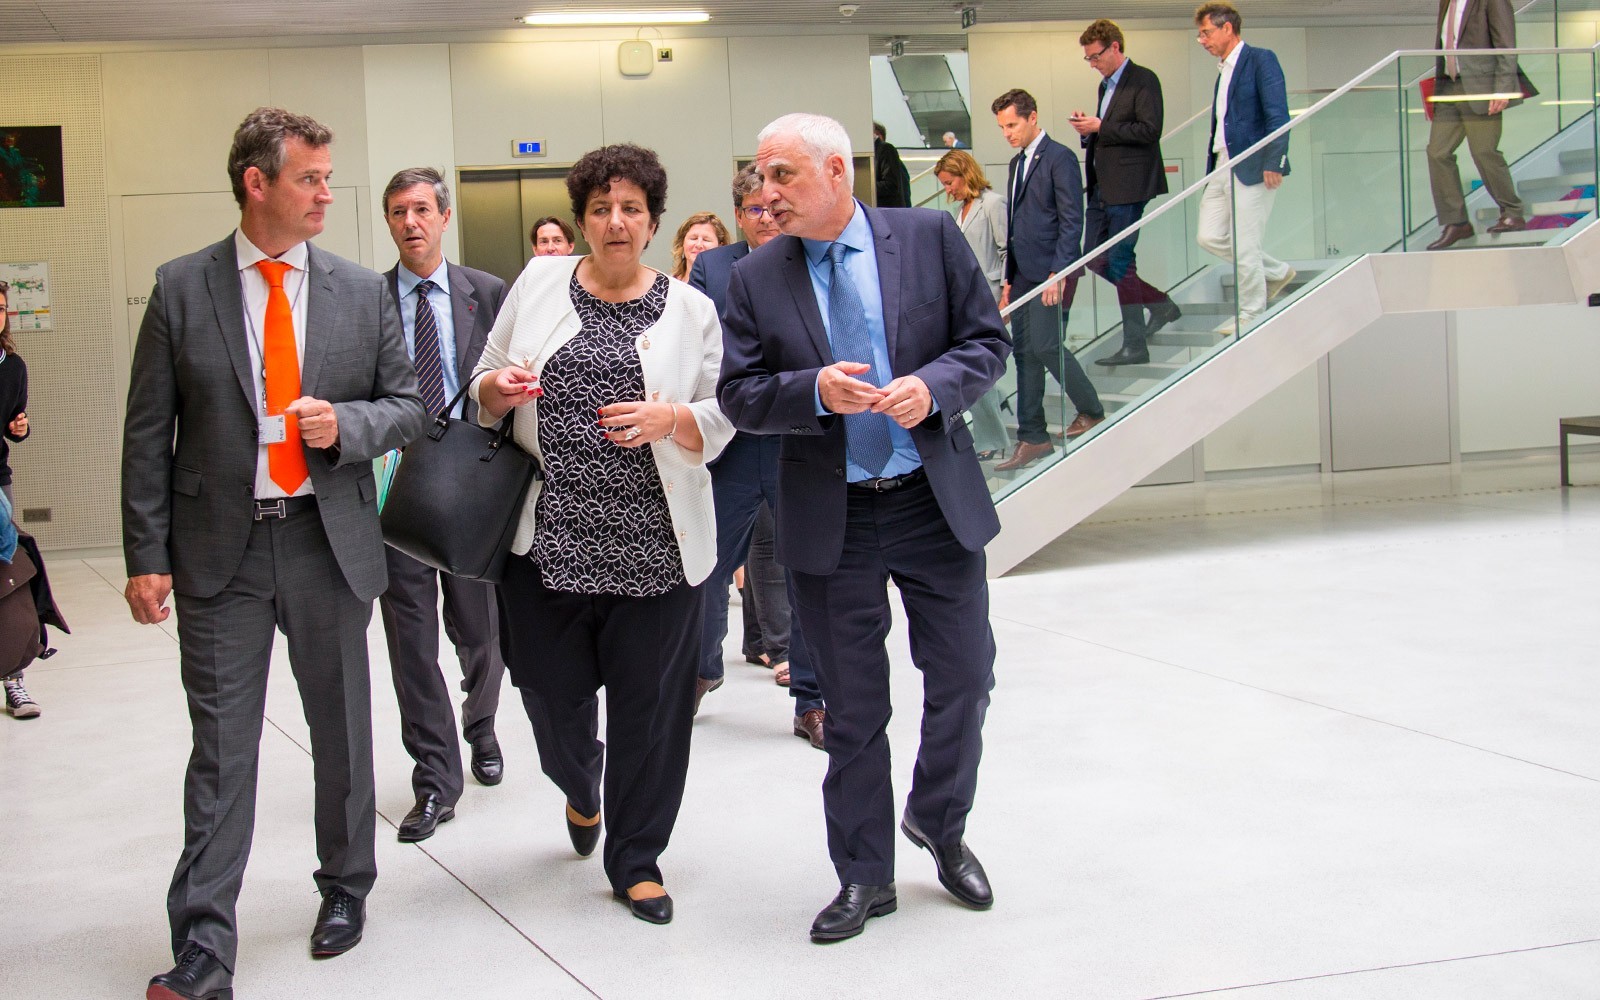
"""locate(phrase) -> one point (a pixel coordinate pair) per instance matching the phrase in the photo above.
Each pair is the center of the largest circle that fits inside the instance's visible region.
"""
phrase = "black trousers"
(561, 648)
(900, 535)
(1037, 332)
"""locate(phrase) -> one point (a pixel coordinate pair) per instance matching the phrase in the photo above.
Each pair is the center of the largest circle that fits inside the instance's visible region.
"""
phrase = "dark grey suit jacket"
(189, 445)
(1123, 159)
(475, 298)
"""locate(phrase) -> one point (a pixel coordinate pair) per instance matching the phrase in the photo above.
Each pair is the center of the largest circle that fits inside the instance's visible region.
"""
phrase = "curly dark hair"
(597, 169)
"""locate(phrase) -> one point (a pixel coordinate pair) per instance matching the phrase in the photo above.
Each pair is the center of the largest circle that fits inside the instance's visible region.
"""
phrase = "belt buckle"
(278, 508)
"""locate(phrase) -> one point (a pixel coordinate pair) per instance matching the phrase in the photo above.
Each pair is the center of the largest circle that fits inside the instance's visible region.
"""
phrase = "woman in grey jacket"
(982, 219)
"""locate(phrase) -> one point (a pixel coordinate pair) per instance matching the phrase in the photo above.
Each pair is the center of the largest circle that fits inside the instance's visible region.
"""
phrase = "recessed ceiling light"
(569, 19)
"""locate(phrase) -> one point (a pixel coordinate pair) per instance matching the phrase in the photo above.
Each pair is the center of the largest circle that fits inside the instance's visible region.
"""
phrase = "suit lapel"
(463, 312)
(1120, 96)
(888, 255)
(322, 305)
(798, 276)
(227, 298)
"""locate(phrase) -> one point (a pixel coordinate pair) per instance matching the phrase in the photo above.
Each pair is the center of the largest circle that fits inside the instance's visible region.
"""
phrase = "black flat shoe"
(584, 838)
(1125, 356)
(424, 818)
(197, 976)
(1162, 314)
(488, 766)
(655, 910)
(850, 911)
(959, 870)
(339, 924)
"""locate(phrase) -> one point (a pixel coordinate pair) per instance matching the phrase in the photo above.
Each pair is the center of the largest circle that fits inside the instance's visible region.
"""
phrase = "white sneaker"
(18, 702)
(1275, 288)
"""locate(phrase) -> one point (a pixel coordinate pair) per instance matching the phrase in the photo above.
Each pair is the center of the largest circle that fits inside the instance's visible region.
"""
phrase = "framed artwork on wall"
(31, 167)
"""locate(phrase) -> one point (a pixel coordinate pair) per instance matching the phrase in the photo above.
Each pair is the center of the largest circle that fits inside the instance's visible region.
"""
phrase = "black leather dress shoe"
(959, 870)
(1452, 234)
(656, 910)
(851, 909)
(584, 838)
(339, 924)
(1161, 314)
(424, 818)
(487, 764)
(197, 976)
(1125, 356)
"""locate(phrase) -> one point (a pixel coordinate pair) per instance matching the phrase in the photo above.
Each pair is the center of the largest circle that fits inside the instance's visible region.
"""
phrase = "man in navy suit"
(744, 477)
(446, 311)
(1251, 102)
(862, 336)
(1043, 242)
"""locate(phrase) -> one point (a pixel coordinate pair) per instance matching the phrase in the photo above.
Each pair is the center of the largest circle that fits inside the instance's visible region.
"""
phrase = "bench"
(1575, 425)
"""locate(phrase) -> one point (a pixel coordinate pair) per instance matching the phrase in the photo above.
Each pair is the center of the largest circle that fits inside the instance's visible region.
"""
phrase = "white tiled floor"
(1308, 738)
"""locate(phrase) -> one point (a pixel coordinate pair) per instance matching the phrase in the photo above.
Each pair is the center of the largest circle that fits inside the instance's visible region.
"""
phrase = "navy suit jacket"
(1258, 104)
(1046, 230)
(712, 269)
(475, 298)
(941, 325)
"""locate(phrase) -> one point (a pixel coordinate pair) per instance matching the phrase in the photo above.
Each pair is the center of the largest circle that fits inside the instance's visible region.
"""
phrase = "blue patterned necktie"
(425, 353)
(866, 433)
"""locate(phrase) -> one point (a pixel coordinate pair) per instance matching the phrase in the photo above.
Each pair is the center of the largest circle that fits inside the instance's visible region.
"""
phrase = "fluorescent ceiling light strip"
(568, 19)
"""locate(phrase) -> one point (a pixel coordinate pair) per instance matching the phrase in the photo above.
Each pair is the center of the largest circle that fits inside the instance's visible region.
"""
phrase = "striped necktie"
(425, 352)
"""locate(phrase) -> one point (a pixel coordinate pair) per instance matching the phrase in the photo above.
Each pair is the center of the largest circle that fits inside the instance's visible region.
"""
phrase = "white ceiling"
(147, 20)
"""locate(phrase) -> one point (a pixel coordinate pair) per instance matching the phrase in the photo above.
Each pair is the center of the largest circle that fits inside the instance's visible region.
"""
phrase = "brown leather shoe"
(703, 687)
(1509, 224)
(1025, 455)
(1452, 234)
(1082, 422)
(808, 726)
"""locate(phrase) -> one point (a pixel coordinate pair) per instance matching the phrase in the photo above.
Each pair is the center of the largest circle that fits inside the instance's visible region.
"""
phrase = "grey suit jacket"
(475, 298)
(190, 441)
(1485, 24)
(985, 228)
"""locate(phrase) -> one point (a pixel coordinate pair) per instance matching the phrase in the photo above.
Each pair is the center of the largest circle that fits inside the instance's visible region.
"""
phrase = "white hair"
(821, 136)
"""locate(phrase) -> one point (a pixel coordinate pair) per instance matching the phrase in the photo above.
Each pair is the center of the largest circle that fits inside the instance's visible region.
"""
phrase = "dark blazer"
(893, 179)
(712, 268)
(1046, 235)
(941, 324)
(189, 444)
(1258, 104)
(1485, 24)
(475, 298)
(1123, 159)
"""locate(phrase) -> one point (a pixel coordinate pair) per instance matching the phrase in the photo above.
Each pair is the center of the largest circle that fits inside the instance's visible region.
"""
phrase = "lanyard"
(257, 337)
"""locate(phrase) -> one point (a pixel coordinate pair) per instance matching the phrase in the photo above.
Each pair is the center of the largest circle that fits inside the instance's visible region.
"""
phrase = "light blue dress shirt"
(861, 265)
(439, 298)
(1111, 88)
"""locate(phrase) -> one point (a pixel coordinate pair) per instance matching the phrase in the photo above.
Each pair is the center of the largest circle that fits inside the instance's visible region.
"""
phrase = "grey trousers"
(411, 625)
(288, 580)
(1453, 123)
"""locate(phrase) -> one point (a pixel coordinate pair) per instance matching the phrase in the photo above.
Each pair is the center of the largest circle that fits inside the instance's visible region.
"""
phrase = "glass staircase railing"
(1359, 183)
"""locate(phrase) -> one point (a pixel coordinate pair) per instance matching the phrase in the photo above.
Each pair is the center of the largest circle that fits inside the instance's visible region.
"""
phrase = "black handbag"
(457, 495)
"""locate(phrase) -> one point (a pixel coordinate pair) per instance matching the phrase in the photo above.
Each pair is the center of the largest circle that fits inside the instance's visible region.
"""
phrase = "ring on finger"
(632, 433)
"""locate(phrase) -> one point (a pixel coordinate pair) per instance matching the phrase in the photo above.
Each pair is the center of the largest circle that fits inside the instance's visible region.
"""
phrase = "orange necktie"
(286, 461)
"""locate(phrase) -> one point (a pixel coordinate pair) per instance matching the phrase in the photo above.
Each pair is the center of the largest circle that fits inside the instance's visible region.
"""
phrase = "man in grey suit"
(267, 376)
(428, 289)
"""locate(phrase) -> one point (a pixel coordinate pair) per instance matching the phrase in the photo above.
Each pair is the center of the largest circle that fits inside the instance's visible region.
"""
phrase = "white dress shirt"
(1220, 143)
(255, 289)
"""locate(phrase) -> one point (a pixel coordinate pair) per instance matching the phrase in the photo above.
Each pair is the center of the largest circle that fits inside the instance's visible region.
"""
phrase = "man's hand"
(19, 426)
(1271, 179)
(906, 400)
(1051, 296)
(147, 595)
(1005, 295)
(842, 394)
(1498, 105)
(319, 425)
(1083, 124)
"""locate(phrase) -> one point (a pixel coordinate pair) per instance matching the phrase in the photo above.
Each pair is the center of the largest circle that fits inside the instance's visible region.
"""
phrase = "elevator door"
(497, 208)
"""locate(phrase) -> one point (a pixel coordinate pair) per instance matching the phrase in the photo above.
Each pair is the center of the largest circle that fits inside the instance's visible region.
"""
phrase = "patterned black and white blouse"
(601, 523)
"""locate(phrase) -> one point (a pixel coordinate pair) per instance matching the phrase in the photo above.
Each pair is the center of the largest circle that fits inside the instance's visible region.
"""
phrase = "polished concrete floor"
(1298, 738)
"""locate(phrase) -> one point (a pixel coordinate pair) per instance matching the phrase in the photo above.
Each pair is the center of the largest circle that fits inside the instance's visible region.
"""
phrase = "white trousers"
(1237, 237)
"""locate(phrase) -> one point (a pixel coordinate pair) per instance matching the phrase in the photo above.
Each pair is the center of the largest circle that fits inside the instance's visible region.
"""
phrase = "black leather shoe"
(656, 910)
(1125, 356)
(197, 976)
(487, 764)
(424, 818)
(1452, 234)
(339, 924)
(851, 909)
(584, 838)
(1161, 314)
(959, 870)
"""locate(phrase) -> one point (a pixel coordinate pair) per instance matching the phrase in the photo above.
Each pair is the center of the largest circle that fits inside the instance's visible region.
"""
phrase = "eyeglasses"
(754, 211)
(1090, 57)
(1205, 33)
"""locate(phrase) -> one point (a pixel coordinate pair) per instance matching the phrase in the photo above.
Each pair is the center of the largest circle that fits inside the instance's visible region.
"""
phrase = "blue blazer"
(941, 324)
(1258, 104)
(1046, 231)
(713, 267)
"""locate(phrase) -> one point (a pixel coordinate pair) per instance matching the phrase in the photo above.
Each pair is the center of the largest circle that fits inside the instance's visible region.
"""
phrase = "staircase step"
(1184, 338)
(1155, 369)
(1564, 206)
(1577, 159)
(1525, 238)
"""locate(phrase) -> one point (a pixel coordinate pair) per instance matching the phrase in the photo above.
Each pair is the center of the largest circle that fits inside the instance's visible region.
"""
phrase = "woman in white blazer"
(610, 368)
(982, 219)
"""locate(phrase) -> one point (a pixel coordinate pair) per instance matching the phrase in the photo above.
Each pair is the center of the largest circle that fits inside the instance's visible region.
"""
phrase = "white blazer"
(681, 356)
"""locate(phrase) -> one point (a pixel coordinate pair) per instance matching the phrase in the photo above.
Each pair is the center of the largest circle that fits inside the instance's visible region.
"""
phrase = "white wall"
(1521, 370)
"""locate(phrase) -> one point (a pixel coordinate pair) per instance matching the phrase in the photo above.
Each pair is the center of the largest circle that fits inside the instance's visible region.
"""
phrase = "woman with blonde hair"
(700, 231)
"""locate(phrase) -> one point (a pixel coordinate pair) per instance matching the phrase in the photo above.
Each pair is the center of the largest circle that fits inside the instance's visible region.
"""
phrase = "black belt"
(281, 507)
(888, 484)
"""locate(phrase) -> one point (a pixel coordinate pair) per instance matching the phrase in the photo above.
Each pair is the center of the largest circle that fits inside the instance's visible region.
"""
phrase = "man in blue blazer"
(1044, 240)
(862, 336)
(744, 477)
(1250, 102)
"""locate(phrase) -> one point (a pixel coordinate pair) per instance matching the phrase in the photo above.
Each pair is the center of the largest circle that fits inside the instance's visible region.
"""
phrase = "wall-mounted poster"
(30, 167)
(28, 298)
